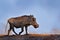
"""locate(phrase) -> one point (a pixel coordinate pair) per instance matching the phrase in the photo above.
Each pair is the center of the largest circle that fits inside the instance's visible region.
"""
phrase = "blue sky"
(47, 13)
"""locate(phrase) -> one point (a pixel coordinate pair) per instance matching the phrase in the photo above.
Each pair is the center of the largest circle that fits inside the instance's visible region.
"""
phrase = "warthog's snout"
(36, 26)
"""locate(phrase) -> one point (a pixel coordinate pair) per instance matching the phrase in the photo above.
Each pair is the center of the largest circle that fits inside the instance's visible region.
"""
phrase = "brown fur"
(21, 22)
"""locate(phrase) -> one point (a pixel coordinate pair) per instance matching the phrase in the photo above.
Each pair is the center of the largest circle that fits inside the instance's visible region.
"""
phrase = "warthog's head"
(33, 22)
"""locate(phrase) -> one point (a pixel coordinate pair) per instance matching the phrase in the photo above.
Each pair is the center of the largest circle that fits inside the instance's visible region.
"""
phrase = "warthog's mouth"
(36, 26)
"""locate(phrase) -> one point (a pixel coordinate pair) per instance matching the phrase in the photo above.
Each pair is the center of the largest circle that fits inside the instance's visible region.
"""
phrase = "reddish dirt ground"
(31, 37)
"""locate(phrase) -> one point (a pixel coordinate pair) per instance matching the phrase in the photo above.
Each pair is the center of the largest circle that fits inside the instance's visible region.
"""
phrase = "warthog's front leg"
(21, 30)
(26, 30)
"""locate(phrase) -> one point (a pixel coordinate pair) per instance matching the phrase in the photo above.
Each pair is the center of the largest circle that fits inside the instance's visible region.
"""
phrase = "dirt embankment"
(31, 37)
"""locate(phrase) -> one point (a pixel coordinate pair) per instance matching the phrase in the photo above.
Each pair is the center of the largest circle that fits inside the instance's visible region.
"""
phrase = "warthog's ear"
(34, 19)
(31, 15)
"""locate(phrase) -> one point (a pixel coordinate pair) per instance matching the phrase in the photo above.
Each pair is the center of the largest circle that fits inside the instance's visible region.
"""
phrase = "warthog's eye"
(34, 19)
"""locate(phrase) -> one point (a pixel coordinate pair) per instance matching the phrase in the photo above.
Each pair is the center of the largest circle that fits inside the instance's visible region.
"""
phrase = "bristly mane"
(24, 16)
(27, 16)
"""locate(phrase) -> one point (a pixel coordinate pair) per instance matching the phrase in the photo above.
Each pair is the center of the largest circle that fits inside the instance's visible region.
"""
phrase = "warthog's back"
(20, 21)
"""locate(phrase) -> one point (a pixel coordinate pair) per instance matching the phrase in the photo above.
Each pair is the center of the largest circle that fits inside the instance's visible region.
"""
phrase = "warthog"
(21, 22)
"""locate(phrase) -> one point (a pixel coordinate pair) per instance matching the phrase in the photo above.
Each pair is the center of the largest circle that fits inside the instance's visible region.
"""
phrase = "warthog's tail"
(6, 26)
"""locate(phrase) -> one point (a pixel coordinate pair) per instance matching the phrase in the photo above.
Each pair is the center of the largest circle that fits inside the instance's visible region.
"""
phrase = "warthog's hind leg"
(21, 30)
(9, 30)
(14, 31)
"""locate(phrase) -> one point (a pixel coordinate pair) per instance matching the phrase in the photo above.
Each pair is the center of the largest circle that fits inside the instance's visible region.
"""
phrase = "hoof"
(26, 34)
(17, 34)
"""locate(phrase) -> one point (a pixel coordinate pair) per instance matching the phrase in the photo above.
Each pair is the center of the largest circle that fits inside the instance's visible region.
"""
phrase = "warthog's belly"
(18, 25)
